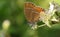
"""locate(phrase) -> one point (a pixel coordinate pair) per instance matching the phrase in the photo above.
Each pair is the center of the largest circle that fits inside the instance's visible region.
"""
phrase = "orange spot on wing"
(38, 9)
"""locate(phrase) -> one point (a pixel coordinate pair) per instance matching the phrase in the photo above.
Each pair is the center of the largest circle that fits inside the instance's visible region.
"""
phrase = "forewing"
(31, 13)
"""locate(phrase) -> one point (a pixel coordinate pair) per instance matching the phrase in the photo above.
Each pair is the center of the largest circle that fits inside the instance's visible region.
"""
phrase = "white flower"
(54, 19)
(51, 7)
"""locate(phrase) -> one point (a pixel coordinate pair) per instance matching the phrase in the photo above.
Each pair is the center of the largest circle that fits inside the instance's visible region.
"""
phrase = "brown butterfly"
(32, 13)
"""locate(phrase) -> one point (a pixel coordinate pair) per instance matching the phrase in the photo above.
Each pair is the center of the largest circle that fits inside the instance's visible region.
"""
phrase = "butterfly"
(32, 13)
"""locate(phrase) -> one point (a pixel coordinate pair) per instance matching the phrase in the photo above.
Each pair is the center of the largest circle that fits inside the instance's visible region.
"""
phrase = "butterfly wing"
(31, 12)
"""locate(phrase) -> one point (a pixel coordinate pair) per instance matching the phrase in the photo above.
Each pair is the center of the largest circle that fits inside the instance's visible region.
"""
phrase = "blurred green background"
(13, 10)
